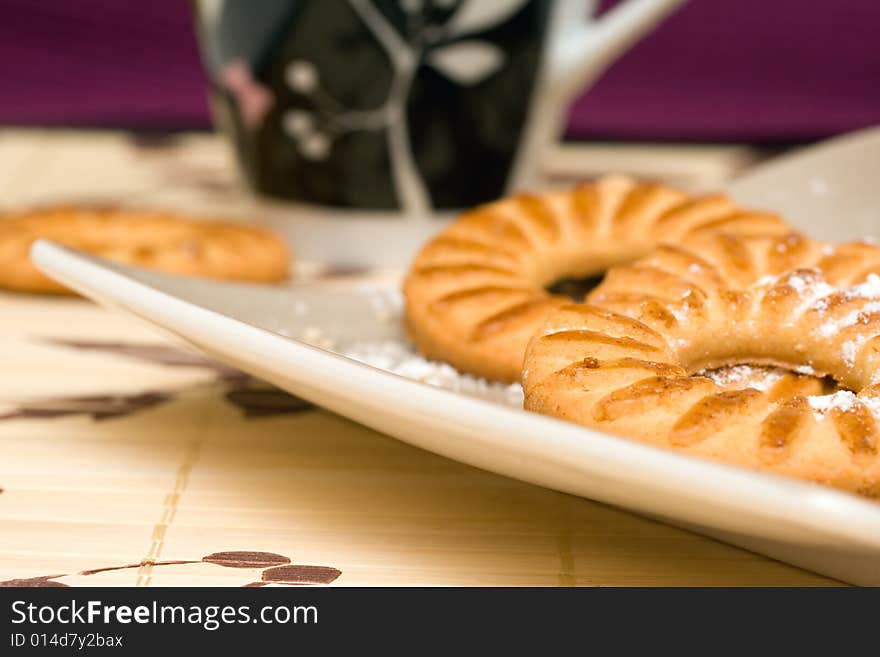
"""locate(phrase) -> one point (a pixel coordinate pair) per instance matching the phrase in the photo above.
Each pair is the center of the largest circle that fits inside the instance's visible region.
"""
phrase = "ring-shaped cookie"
(163, 241)
(627, 362)
(476, 293)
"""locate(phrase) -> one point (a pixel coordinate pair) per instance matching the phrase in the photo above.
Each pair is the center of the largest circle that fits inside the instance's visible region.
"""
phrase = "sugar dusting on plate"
(396, 355)
(399, 358)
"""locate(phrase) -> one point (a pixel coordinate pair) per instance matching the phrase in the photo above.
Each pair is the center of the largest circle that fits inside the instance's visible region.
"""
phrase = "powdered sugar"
(843, 400)
(394, 354)
(814, 291)
(834, 326)
(809, 285)
(869, 289)
(387, 304)
(810, 289)
(681, 310)
(316, 337)
(851, 348)
(398, 358)
(803, 284)
(744, 376)
(872, 404)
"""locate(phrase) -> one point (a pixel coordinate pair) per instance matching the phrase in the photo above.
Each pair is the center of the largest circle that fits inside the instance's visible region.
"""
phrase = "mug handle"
(581, 49)
(577, 51)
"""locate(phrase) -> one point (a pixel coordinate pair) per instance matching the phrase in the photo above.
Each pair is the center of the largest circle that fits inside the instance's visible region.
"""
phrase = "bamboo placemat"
(127, 460)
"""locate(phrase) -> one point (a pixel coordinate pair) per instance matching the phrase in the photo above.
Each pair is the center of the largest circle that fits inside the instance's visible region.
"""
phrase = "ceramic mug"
(367, 120)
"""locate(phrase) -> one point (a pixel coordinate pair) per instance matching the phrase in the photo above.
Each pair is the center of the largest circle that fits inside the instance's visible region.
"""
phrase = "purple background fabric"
(749, 70)
(100, 62)
(744, 70)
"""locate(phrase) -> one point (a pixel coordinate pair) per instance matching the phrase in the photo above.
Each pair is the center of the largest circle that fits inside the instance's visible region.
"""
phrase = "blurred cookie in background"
(159, 240)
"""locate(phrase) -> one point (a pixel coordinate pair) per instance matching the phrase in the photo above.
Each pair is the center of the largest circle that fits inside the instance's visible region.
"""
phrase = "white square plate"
(826, 190)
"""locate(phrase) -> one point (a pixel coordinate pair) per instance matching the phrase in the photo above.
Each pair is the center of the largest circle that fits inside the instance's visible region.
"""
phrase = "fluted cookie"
(156, 240)
(632, 360)
(476, 293)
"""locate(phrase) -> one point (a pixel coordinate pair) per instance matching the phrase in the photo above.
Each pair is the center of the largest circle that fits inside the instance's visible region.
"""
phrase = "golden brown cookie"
(476, 293)
(155, 240)
(631, 361)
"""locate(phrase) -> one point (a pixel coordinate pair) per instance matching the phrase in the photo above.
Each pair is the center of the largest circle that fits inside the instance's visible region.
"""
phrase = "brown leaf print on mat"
(342, 271)
(258, 399)
(242, 559)
(99, 407)
(95, 571)
(275, 570)
(159, 354)
(301, 575)
(253, 397)
(34, 582)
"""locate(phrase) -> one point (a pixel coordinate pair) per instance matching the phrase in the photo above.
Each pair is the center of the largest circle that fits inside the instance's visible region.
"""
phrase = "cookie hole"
(575, 289)
(764, 377)
(830, 386)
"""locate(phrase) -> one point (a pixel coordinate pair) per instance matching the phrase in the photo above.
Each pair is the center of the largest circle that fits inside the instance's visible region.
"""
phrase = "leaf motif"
(467, 62)
(154, 353)
(46, 581)
(99, 407)
(301, 574)
(246, 559)
(258, 399)
(476, 15)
